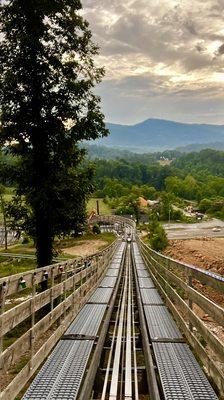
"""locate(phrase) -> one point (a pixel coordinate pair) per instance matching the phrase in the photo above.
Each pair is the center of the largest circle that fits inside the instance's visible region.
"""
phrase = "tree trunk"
(44, 242)
(4, 221)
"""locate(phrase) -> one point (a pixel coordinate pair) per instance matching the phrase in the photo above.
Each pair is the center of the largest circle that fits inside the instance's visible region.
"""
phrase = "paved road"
(186, 231)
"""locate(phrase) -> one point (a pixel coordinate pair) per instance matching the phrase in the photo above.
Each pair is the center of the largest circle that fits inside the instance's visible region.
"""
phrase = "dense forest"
(195, 177)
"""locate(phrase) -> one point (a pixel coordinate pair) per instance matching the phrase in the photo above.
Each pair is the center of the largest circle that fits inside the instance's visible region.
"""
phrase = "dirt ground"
(207, 253)
(85, 248)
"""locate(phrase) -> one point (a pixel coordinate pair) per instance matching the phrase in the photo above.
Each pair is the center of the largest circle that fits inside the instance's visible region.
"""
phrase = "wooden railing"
(180, 284)
(68, 286)
(114, 219)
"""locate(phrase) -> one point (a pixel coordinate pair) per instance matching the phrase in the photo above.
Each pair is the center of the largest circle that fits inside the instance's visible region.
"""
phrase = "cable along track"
(123, 345)
(62, 375)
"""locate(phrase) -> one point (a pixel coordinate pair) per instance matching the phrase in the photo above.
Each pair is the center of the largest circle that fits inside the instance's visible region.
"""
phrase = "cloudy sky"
(163, 58)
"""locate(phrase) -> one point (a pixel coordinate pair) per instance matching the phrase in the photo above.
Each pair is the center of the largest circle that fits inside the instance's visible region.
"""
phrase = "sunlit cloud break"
(163, 59)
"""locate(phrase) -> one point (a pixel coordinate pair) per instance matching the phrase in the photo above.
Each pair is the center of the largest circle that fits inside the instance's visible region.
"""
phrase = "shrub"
(96, 229)
(157, 236)
(25, 239)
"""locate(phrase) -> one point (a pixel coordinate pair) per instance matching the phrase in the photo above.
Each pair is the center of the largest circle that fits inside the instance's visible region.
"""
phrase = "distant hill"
(201, 146)
(158, 134)
(113, 153)
(105, 152)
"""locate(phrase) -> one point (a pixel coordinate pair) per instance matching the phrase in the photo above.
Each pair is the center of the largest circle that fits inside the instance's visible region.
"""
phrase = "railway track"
(123, 345)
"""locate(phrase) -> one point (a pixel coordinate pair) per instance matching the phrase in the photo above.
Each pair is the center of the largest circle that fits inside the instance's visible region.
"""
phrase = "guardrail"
(178, 283)
(114, 219)
(68, 286)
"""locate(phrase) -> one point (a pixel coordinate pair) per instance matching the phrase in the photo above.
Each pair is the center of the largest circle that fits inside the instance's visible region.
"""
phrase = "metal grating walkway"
(101, 295)
(161, 325)
(88, 320)
(117, 259)
(115, 265)
(141, 266)
(108, 281)
(142, 273)
(150, 296)
(146, 283)
(61, 376)
(112, 272)
(180, 374)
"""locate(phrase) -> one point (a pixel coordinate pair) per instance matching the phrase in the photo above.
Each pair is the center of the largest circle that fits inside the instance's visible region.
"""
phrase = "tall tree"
(48, 106)
(3, 211)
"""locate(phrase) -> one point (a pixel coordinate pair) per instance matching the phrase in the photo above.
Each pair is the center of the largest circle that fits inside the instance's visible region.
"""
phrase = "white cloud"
(160, 53)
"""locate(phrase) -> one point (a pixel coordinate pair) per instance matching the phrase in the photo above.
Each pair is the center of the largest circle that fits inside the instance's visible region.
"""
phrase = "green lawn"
(10, 266)
(27, 248)
(104, 208)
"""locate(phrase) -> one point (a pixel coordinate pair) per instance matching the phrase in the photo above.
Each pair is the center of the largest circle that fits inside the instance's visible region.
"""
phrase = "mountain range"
(159, 134)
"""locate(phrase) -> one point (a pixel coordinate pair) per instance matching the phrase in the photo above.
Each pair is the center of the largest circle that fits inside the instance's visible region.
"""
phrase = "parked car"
(216, 229)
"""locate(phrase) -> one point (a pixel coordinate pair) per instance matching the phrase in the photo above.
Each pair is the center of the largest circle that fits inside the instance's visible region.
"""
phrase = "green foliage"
(131, 173)
(96, 229)
(9, 266)
(206, 162)
(19, 215)
(104, 207)
(165, 210)
(193, 176)
(187, 188)
(128, 205)
(157, 235)
(48, 106)
(202, 341)
(205, 205)
(26, 239)
(213, 207)
(20, 365)
(113, 153)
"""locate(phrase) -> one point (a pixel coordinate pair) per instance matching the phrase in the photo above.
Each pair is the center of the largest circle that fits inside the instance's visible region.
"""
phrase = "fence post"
(32, 338)
(190, 302)
(2, 309)
(52, 289)
(74, 288)
(64, 293)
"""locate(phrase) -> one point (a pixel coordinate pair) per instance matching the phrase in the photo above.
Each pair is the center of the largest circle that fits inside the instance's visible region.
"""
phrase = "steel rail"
(134, 344)
(151, 375)
(103, 396)
(128, 353)
(123, 345)
(118, 348)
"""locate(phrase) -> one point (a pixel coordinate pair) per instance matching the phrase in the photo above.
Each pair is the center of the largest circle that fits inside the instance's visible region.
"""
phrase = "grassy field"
(10, 266)
(104, 208)
(27, 248)
(91, 205)
(106, 236)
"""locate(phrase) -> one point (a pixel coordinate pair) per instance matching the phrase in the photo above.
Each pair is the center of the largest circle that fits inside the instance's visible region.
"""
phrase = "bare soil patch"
(85, 248)
(207, 253)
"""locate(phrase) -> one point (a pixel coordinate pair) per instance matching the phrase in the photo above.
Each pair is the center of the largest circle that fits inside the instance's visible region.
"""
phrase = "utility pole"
(169, 212)
(97, 207)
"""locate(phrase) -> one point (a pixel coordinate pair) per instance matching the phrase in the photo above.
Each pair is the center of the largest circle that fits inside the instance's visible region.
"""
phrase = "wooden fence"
(178, 284)
(115, 220)
(68, 286)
